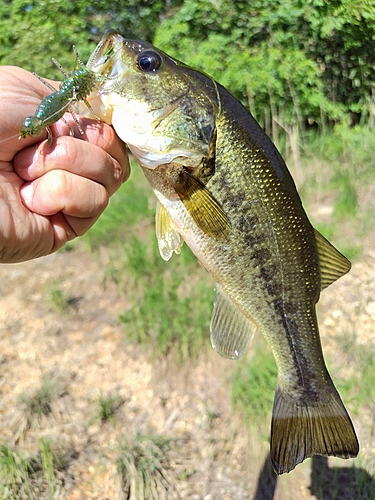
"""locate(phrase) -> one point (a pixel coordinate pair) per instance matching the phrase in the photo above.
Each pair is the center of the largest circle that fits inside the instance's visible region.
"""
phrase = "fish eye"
(149, 61)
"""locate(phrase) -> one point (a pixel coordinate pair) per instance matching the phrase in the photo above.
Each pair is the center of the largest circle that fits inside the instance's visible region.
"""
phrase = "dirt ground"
(84, 349)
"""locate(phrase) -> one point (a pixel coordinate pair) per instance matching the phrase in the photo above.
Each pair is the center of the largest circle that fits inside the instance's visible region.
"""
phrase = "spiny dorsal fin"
(333, 264)
(169, 239)
(231, 331)
(202, 206)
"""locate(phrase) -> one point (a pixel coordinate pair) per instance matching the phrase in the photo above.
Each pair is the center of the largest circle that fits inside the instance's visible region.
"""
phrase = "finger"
(99, 133)
(109, 167)
(79, 199)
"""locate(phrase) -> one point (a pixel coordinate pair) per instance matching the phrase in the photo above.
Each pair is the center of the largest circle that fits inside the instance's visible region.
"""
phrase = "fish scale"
(224, 189)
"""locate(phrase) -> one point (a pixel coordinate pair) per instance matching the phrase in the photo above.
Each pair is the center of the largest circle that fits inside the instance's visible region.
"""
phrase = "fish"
(224, 189)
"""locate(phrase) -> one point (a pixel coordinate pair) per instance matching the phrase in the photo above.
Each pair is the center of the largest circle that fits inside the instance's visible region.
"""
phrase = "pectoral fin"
(169, 239)
(333, 264)
(202, 206)
(231, 331)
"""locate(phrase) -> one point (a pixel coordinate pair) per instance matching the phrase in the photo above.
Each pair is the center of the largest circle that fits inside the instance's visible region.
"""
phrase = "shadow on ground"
(267, 482)
(327, 483)
(340, 483)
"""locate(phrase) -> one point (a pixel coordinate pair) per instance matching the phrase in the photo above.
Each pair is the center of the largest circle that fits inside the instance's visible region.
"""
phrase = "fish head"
(164, 110)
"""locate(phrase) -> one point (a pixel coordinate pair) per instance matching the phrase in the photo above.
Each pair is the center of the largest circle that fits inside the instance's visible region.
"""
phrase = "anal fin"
(301, 429)
(231, 331)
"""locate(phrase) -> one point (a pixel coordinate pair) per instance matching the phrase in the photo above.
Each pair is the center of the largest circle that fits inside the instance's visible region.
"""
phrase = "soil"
(81, 347)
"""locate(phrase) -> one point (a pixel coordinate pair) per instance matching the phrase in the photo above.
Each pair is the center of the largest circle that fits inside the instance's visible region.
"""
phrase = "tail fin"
(301, 429)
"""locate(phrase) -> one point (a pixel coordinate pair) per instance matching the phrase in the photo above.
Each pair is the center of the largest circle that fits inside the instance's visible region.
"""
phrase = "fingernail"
(27, 193)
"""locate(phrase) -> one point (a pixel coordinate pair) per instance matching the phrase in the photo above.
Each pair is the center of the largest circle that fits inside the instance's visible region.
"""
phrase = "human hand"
(50, 194)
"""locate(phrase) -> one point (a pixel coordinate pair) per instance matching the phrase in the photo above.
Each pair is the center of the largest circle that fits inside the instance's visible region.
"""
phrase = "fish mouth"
(108, 60)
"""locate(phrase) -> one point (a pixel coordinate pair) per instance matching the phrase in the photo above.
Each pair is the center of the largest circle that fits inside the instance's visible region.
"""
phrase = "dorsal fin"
(202, 206)
(169, 239)
(231, 331)
(333, 264)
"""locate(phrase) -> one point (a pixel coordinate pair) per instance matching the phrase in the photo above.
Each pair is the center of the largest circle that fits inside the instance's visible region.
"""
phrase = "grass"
(108, 406)
(36, 406)
(30, 476)
(340, 483)
(143, 468)
(39, 402)
(15, 470)
(60, 301)
(171, 302)
(357, 380)
(253, 386)
(337, 174)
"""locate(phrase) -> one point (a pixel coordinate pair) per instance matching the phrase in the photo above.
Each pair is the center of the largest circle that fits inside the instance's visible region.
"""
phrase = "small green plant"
(39, 402)
(143, 469)
(108, 406)
(60, 301)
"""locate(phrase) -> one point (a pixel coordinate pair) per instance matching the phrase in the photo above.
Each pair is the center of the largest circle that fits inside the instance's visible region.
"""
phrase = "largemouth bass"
(224, 189)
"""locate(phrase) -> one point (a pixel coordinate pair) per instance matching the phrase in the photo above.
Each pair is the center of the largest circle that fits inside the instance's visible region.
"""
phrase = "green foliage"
(298, 61)
(289, 61)
(30, 476)
(349, 150)
(33, 31)
(60, 300)
(253, 386)
(108, 406)
(40, 402)
(337, 170)
(171, 302)
(346, 201)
